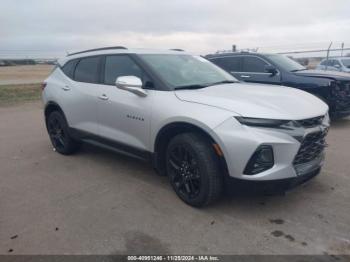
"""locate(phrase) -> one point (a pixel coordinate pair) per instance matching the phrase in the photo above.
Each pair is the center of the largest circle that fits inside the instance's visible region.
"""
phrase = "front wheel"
(193, 169)
(57, 128)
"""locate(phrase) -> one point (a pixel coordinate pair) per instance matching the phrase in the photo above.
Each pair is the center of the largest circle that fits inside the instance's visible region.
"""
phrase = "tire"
(58, 130)
(193, 169)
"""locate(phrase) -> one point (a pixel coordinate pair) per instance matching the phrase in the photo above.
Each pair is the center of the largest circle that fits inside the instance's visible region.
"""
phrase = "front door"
(254, 70)
(123, 117)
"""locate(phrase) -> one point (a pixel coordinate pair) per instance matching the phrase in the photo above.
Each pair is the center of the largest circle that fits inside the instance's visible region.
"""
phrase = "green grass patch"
(11, 94)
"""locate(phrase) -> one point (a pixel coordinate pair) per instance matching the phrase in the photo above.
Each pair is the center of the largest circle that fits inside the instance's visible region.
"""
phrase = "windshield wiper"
(197, 86)
(222, 82)
(297, 70)
(190, 87)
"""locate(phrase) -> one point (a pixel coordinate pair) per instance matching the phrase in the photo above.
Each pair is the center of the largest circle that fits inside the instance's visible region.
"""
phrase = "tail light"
(43, 85)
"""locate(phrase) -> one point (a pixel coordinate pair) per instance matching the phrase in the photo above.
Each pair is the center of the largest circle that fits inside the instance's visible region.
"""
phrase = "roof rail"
(242, 51)
(177, 49)
(98, 49)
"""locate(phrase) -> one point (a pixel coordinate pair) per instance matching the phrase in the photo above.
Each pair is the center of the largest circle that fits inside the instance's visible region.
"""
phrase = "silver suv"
(196, 123)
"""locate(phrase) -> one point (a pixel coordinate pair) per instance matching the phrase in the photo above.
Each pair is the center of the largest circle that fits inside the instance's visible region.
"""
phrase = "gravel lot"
(100, 202)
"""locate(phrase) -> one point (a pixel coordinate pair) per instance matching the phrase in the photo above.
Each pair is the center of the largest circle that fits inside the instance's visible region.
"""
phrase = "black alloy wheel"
(193, 169)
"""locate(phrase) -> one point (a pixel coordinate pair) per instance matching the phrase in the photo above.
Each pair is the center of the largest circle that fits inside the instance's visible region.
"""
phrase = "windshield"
(346, 62)
(286, 63)
(186, 70)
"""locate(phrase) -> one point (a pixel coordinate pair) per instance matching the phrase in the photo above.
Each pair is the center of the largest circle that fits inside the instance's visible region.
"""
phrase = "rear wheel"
(57, 128)
(193, 169)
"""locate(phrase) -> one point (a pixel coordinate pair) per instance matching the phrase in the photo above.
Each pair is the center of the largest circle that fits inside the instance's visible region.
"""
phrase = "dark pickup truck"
(332, 87)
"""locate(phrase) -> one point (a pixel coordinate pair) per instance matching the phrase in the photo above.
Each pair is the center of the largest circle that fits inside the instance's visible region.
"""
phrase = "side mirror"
(337, 66)
(132, 84)
(270, 69)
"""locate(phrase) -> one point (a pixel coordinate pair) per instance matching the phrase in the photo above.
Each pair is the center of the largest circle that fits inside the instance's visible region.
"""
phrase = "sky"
(52, 28)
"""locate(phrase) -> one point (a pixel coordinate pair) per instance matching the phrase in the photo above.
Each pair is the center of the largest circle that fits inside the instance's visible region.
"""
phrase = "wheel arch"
(51, 107)
(170, 130)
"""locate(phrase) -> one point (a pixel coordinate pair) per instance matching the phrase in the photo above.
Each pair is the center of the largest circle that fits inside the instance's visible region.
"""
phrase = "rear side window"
(336, 62)
(87, 70)
(231, 64)
(120, 65)
(324, 62)
(69, 67)
(254, 64)
(327, 62)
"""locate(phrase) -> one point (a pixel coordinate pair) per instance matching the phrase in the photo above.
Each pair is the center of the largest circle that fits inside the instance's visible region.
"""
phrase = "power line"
(313, 51)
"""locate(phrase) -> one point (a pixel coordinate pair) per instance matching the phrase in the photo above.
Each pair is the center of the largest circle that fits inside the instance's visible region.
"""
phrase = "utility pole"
(342, 49)
(328, 54)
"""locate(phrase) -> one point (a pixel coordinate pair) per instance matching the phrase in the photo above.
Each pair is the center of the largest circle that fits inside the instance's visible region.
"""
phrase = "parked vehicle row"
(341, 64)
(195, 122)
(275, 69)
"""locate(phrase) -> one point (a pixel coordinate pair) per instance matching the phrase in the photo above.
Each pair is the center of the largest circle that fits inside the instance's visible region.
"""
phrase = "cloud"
(200, 26)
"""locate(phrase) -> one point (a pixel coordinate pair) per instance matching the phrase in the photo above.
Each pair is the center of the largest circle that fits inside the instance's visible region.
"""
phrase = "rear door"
(80, 100)
(253, 70)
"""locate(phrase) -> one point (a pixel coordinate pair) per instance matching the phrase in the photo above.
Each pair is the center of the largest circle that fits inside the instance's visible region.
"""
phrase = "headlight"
(261, 122)
(326, 120)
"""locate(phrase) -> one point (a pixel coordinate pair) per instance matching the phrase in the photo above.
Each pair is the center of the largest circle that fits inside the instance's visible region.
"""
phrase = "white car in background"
(341, 64)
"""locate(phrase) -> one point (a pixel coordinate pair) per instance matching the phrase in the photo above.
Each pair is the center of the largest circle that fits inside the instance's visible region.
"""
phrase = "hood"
(258, 101)
(336, 75)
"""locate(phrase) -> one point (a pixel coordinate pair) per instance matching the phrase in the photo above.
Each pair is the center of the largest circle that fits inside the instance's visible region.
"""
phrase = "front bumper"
(239, 142)
(340, 99)
(234, 186)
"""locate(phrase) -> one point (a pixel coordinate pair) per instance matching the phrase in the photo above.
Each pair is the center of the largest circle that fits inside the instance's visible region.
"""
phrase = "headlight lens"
(326, 120)
(261, 122)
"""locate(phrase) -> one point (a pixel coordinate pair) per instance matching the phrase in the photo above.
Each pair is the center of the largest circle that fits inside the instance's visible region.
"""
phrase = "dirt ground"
(100, 202)
(26, 74)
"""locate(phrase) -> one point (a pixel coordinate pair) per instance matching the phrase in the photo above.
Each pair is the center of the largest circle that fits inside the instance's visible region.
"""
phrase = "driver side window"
(120, 65)
(254, 65)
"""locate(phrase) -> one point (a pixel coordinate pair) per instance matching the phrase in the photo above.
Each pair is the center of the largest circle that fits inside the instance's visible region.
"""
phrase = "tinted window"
(231, 64)
(325, 62)
(335, 62)
(253, 64)
(328, 62)
(68, 68)
(120, 65)
(87, 70)
(346, 62)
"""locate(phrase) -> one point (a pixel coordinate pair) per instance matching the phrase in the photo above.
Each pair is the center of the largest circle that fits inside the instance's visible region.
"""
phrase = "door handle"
(245, 76)
(66, 88)
(103, 97)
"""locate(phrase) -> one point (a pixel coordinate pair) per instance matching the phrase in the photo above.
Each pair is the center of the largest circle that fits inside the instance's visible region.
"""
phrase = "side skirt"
(112, 145)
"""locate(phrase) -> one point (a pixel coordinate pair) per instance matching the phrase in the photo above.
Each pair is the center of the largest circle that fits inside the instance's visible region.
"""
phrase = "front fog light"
(261, 160)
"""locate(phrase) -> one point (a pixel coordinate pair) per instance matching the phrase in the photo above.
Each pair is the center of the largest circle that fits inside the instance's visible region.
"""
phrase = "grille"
(341, 94)
(311, 147)
(311, 122)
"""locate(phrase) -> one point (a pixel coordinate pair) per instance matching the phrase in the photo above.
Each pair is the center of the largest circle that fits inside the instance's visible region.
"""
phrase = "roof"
(117, 50)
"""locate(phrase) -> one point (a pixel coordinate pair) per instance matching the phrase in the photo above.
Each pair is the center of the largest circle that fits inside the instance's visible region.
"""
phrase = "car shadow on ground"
(239, 199)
